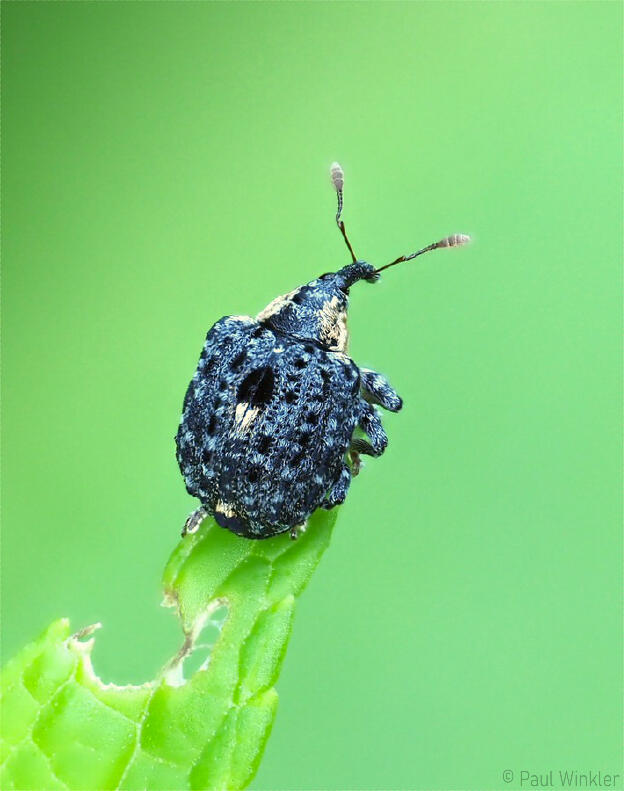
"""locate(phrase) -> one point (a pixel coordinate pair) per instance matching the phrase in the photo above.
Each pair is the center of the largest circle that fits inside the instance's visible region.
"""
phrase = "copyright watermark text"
(561, 778)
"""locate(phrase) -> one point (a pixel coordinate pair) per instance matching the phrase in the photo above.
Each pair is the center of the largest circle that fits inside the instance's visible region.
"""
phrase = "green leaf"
(62, 728)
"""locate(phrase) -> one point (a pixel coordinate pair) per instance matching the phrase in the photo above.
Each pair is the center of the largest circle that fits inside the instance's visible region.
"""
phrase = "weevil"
(268, 425)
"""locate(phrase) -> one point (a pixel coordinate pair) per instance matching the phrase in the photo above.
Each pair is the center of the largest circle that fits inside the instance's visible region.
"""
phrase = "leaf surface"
(62, 728)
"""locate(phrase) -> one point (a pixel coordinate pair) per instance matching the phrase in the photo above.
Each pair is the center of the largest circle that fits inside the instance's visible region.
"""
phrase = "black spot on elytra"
(298, 297)
(309, 349)
(257, 332)
(297, 458)
(207, 364)
(206, 456)
(238, 361)
(313, 418)
(299, 363)
(304, 438)
(256, 389)
(212, 424)
(290, 397)
(253, 474)
(264, 445)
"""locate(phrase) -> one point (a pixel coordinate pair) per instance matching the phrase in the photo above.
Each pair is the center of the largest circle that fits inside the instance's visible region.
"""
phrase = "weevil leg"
(194, 520)
(370, 422)
(338, 492)
(297, 530)
(362, 447)
(356, 462)
(376, 390)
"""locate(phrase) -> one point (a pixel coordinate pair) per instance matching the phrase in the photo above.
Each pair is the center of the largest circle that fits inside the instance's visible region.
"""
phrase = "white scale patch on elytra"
(244, 417)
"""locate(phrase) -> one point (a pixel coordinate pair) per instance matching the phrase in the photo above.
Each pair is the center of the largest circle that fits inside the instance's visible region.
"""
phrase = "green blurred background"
(165, 164)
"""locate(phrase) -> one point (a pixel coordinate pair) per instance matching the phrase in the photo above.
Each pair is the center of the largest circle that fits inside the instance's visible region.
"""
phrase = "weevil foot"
(194, 520)
(297, 530)
(356, 462)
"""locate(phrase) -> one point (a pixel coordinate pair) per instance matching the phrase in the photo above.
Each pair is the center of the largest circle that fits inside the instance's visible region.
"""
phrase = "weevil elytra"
(267, 429)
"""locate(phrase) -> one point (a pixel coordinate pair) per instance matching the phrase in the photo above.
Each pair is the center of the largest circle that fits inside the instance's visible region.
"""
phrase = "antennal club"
(455, 240)
(337, 177)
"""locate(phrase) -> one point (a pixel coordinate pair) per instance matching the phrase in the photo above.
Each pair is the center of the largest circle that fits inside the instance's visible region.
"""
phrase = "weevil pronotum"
(267, 429)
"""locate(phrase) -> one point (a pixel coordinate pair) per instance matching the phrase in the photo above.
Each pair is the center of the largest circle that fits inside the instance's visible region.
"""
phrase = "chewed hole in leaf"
(199, 657)
(194, 655)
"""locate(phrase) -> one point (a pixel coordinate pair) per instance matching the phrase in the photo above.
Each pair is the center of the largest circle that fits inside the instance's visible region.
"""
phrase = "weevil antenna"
(455, 240)
(337, 177)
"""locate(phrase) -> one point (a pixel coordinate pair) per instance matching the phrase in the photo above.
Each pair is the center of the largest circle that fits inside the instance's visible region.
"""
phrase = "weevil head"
(317, 311)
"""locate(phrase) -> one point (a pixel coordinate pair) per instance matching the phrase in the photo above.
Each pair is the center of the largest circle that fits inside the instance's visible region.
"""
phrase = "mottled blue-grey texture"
(266, 434)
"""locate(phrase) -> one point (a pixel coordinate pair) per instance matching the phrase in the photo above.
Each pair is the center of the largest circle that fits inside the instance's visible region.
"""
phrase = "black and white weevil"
(267, 429)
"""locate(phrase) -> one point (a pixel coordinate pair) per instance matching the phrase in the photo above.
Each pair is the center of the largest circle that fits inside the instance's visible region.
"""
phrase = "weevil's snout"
(350, 274)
